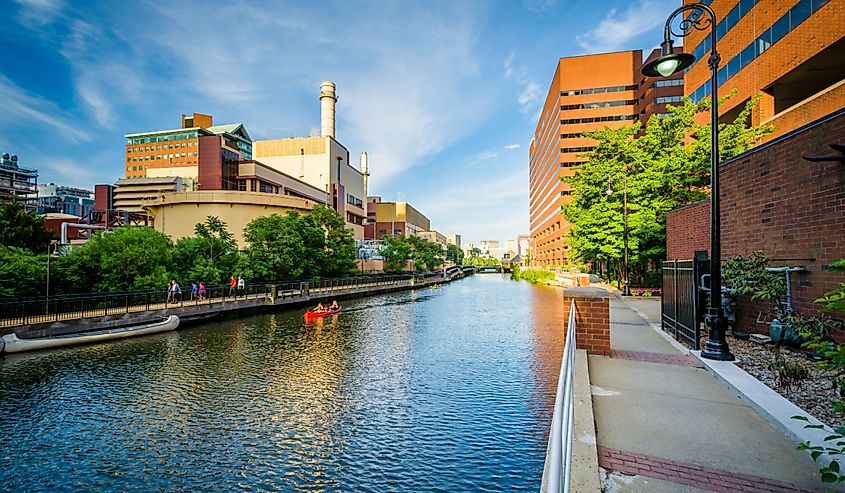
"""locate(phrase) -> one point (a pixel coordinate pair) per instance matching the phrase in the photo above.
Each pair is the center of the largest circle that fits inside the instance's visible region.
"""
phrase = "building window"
(604, 104)
(668, 99)
(668, 83)
(598, 119)
(576, 149)
(597, 90)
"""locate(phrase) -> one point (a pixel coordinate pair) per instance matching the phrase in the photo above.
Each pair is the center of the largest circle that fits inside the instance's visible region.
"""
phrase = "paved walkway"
(664, 424)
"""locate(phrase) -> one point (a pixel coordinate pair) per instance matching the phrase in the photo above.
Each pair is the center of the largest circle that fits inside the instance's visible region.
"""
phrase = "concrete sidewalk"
(664, 424)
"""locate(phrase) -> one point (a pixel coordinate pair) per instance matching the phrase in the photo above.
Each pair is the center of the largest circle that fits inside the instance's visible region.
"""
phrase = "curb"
(773, 407)
(585, 458)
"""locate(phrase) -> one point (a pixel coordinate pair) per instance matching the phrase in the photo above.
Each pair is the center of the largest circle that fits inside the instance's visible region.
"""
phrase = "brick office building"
(790, 52)
(587, 93)
(774, 201)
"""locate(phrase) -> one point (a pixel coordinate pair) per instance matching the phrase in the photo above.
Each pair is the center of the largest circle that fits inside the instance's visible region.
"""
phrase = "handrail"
(559, 452)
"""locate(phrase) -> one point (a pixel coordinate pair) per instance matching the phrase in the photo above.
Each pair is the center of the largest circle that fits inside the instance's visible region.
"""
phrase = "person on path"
(241, 285)
(170, 292)
(233, 283)
(202, 292)
(195, 291)
(175, 291)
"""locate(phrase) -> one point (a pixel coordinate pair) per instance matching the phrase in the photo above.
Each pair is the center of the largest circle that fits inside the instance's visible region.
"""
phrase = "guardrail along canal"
(446, 389)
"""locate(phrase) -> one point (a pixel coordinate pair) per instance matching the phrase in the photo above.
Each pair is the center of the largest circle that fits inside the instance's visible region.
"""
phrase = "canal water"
(440, 389)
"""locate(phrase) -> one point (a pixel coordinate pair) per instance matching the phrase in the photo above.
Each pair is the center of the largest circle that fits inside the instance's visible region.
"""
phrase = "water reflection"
(439, 389)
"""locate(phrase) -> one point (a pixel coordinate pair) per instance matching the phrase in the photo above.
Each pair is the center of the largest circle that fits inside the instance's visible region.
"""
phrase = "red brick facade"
(688, 231)
(592, 318)
(776, 202)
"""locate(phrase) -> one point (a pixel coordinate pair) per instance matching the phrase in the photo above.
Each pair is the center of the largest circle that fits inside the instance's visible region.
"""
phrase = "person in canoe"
(319, 308)
(333, 306)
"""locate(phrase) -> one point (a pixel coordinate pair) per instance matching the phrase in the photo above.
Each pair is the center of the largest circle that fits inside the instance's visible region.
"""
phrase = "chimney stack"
(328, 98)
(365, 170)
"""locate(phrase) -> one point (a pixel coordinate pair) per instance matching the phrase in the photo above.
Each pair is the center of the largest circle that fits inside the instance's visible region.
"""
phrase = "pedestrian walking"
(202, 292)
(233, 284)
(175, 292)
(170, 292)
(241, 285)
(195, 291)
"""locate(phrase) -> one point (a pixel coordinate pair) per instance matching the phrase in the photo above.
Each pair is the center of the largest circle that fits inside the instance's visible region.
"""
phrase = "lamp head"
(668, 62)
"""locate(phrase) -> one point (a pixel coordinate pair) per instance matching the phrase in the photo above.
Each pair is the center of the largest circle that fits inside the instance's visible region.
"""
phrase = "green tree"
(340, 250)
(665, 169)
(23, 272)
(454, 254)
(284, 248)
(396, 252)
(211, 256)
(426, 254)
(129, 258)
(21, 228)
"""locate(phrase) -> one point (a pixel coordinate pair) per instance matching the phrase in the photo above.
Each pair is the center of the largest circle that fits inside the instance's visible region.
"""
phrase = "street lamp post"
(626, 289)
(668, 63)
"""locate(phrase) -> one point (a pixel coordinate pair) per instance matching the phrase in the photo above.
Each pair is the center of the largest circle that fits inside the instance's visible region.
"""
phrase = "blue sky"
(444, 96)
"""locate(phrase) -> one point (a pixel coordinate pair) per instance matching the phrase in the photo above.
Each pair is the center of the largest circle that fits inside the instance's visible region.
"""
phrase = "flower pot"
(790, 335)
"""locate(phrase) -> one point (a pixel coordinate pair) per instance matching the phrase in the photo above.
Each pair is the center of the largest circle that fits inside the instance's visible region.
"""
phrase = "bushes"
(531, 275)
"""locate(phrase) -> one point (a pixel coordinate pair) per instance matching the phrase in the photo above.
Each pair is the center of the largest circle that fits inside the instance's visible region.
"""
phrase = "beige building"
(433, 236)
(176, 214)
(454, 239)
(130, 194)
(323, 163)
(393, 219)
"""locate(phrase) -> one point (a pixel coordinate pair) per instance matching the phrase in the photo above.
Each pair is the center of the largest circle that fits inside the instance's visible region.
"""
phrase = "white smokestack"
(327, 103)
(364, 170)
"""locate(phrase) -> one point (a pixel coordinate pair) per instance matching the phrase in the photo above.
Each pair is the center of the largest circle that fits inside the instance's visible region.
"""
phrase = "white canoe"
(11, 343)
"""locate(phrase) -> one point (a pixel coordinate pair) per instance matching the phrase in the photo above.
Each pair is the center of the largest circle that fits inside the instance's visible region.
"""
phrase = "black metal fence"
(73, 307)
(681, 300)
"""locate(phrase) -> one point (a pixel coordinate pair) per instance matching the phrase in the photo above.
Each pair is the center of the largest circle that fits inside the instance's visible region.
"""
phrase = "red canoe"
(312, 314)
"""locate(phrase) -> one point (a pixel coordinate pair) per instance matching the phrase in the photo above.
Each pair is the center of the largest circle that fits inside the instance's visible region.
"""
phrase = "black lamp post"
(667, 64)
(626, 290)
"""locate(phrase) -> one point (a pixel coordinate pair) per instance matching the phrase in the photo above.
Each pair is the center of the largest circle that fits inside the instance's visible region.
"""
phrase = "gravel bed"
(814, 395)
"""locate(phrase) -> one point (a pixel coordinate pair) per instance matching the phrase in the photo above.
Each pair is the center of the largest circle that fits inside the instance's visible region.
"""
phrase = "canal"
(439, 389)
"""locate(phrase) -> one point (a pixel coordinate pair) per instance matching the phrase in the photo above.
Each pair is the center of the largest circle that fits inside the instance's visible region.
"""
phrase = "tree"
(454, 254)
(23, 273)
(426, 254)
(340, 249)
(664, 171)
(128, 258)
(396, 252)
(284, 247)
(21, 228)
(210, 256)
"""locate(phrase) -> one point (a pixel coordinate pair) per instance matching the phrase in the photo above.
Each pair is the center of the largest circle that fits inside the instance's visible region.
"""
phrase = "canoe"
(312, 314)
(11, 343)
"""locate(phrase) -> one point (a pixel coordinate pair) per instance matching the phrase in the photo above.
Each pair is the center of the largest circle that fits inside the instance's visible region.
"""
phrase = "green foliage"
(23, 272)
(747, 276)
(284, 247)
(454, 254)
(396, 252)
(427, 255)
(834, 300)
(663, 172)
(339, 258)
(531, 275)
(21, 228)
(210, 256)
(130, 258)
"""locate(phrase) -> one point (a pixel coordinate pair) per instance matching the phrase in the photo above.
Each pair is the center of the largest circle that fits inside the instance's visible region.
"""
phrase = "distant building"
(393, 218)
(523, 243)
(454, 239)
(324, 163)
(58, 199)
(17, 181)
(131, 194)
(511, 245)
(489, 243)
(433, 236)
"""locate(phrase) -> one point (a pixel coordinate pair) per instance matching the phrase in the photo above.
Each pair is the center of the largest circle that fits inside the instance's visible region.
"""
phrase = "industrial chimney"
(327, 102)
(364, 170)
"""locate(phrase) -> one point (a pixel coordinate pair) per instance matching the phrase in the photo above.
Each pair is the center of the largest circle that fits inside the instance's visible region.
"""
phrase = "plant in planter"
(747, 276)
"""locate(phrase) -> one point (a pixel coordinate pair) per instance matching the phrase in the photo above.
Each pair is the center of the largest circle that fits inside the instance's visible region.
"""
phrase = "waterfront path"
(664, 424)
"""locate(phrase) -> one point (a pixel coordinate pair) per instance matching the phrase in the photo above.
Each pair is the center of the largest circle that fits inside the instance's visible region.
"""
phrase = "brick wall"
(592, 318)
(688, 230)
(790, 209)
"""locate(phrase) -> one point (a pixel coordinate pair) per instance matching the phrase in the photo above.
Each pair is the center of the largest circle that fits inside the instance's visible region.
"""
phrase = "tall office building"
(587, 93)
(54, 198)
(790, 52)
(17, 181)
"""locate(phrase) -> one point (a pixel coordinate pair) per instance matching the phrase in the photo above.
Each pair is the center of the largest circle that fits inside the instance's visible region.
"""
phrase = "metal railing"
(559, 451)
(73, 307)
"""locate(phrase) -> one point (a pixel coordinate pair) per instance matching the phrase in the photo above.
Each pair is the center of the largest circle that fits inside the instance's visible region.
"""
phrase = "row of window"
(163, 138)
(722, 28)
(353, 200)
(135, 168)
(668, 99)
(597, 90)
(576, 149)
(571, 136)
(789, 21)
(596, 119)
(604, 104)
(668, 83)
(160, 147)
(159, 156)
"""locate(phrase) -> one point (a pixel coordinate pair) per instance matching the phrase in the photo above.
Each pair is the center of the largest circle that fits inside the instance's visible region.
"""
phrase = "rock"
(759, 338)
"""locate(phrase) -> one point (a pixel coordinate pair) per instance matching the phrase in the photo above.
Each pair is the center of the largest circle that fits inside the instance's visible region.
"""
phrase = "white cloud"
(508, 64)
(530, 96)
(512, 146)
(618, 29)
(22, 108)
(38, 13)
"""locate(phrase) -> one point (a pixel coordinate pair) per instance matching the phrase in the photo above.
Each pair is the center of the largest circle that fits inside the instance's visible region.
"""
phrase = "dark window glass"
(745, 6)
(764, 42)
(732, 67)
(732, 18)
(780, 28)
(817, 4)
(747, 56)
(799, 13)
(721, 76)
